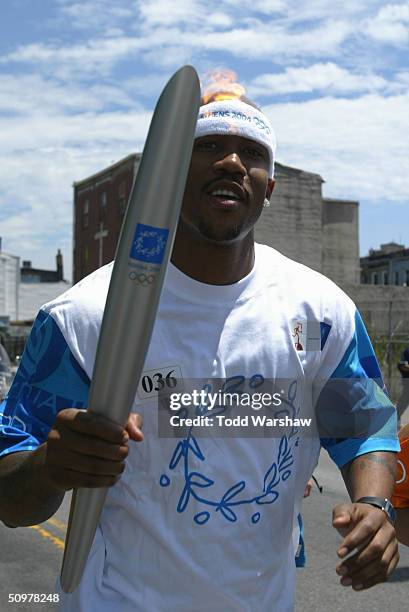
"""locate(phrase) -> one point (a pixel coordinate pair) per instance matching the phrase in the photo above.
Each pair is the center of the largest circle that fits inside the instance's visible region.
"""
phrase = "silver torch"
(141, 260)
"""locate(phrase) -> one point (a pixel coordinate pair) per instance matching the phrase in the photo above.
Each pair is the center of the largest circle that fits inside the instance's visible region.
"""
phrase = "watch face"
(381, 503)
(390, 511)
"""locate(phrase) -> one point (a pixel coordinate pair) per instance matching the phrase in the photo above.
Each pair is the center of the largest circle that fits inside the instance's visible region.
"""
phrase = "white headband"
(236, 117)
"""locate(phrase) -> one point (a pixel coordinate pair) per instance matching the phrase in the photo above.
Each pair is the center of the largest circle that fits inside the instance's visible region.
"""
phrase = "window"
(84, 262)
(103, 206)
(396, 278)
(385, 278)
(375, 278)
(407, 278)
(85, 214)
(122, 197)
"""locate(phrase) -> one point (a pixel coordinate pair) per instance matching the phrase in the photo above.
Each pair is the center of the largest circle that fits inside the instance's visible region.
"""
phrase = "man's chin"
(220, 235)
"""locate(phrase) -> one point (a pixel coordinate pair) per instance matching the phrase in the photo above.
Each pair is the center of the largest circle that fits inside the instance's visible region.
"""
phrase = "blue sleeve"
(354, 413)
(300, 558)
(48, 380)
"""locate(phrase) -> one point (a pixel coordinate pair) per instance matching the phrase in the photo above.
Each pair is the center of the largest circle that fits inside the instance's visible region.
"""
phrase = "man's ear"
(270, 187)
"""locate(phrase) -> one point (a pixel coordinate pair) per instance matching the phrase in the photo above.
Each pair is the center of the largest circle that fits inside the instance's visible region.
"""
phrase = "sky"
(79, 81)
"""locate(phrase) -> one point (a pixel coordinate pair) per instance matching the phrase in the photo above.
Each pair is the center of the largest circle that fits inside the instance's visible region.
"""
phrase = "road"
(30, 559)
(318, 588)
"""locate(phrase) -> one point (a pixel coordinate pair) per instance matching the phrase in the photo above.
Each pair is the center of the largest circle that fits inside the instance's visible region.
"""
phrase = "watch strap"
(382, 503)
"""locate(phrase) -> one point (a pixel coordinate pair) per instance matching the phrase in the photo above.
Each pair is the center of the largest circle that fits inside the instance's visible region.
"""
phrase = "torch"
(141, 260)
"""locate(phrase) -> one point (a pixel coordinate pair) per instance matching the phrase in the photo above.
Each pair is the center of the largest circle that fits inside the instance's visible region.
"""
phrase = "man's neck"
(213, 263)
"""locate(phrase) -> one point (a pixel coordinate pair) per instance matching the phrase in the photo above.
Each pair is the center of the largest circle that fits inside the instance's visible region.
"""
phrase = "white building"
(9, 285)
(34, 295)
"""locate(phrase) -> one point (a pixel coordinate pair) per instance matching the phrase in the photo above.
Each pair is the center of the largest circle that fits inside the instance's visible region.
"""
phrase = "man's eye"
(206, 146)
(255, 153)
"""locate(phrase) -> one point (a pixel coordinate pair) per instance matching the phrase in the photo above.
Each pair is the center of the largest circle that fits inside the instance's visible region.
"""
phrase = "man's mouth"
(225, 198)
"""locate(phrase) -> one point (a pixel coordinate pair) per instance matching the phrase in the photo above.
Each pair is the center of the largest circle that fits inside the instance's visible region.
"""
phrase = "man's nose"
(231, 163)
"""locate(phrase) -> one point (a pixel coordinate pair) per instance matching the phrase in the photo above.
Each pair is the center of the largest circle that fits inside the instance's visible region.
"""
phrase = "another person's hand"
(308, 487)
(368, 530)
(88, 450)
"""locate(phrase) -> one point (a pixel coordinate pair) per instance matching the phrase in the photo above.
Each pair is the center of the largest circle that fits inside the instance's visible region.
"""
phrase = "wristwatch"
(382, 503)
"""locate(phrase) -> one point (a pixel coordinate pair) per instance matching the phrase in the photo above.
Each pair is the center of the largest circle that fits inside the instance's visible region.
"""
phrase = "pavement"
(30, 559)
(318, 588)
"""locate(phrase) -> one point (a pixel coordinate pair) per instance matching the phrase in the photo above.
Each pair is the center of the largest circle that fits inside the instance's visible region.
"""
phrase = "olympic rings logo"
(142, 279)
(403, 478)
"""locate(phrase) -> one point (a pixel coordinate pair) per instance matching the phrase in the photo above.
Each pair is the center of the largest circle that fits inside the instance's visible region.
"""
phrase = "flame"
(221, 84)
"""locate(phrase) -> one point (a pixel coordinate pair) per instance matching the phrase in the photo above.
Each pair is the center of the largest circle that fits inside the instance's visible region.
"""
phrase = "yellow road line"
(59, 524)
(46, 534)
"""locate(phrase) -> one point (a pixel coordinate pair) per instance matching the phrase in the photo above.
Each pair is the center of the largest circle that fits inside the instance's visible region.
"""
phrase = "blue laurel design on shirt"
(196, 483)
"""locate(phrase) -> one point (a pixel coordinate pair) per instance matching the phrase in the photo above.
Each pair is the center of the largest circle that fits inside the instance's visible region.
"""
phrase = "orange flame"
(221, 84)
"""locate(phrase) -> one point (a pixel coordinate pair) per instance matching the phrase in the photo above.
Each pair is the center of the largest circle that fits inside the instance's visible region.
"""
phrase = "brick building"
(99, 206)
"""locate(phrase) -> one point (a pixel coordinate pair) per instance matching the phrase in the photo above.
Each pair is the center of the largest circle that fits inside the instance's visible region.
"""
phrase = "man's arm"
(82, 450)
(370, 474)
(27, 496)
(366, 528)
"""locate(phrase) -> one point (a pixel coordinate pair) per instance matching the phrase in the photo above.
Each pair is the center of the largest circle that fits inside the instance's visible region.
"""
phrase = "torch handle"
(86, 504)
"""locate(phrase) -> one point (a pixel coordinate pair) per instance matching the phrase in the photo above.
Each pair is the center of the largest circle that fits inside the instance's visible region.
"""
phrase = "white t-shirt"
(204, 523)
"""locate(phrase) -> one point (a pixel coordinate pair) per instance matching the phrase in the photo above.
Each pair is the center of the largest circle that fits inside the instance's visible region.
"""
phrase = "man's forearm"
(27, 496)
(370, 474)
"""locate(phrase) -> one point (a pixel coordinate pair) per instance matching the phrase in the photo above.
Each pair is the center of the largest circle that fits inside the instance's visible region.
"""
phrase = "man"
(209, 523)
(400, 497)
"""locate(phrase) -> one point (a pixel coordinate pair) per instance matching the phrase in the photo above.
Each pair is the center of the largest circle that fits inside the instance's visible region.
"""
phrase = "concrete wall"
(340, 240)
(293, 223)
(373, 302)
(379, 305)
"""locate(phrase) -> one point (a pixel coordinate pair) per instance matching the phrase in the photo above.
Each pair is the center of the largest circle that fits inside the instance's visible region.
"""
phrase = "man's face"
(225, 188)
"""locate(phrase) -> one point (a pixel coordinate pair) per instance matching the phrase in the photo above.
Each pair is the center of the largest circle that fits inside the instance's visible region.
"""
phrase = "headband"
(236, 117)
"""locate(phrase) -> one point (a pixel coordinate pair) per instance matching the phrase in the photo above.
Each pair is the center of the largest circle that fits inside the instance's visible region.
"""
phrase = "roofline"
(299, 171)
(356, 202)
(134, 156)
(404, 253)
(10, 255)
(106, 170)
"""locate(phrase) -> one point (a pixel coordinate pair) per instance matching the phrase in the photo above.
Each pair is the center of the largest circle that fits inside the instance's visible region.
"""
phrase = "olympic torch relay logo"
(149, 244)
